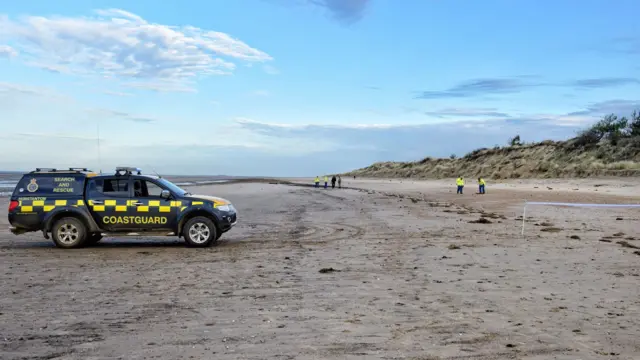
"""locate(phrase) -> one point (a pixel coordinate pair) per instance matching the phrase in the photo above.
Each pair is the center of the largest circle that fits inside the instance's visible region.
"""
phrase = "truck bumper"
(17, 231)
(228, 222)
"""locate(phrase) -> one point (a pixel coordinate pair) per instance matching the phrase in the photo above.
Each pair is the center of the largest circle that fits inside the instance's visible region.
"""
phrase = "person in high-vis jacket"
(317, 181)
(326, 181)
(481, 184)
(460, 183)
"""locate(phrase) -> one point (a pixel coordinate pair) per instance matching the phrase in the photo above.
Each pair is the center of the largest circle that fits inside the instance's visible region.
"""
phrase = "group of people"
(326, 181)
(338, 179)
(460, 184)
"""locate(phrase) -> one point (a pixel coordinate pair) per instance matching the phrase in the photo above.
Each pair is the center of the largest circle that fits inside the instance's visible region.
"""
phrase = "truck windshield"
(172, 187)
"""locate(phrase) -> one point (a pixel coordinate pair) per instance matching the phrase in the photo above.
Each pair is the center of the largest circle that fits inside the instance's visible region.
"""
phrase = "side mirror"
(165, 194)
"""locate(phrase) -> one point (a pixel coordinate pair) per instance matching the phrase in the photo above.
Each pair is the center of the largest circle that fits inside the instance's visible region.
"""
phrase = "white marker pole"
(524, 214)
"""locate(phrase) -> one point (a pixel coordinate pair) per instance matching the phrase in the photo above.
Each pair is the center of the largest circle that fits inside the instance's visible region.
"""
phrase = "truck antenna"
(155, 172)
(99, 156)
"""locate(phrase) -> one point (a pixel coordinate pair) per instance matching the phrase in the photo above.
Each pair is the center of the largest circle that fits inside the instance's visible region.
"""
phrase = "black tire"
(69, 233)
(94, 239)
(200, 231)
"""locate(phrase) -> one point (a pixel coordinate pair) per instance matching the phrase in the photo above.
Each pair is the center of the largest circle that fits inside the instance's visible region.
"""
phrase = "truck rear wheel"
(69, 233)
(200, 232)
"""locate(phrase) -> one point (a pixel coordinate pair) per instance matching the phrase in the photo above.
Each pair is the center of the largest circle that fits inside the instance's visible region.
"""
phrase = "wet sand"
(386, 270)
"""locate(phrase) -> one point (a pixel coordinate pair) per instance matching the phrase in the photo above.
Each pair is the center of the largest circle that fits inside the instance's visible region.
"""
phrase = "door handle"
(137, 203)
(98, 202)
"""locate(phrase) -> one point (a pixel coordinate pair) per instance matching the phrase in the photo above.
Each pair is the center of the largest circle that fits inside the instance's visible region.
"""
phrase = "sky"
(303, 87)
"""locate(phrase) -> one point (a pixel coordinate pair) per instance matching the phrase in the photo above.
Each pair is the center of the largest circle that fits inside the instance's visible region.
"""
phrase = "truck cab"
(77, 207)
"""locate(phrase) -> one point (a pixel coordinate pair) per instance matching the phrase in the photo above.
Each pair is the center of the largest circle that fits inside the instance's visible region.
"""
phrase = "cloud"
(477, 87)
(488, 86)
(7, 51)
(359, 145)
(108, 113)
(21, 89)
(604, 82)
(54, 136)
(345, 11)
(121, 45)
(117, 93)
(617, 106)
(467, 112)
(161, 86)
(628, 45)
(271, 70)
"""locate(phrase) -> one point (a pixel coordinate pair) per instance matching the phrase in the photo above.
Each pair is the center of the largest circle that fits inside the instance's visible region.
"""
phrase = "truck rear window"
(50, 185)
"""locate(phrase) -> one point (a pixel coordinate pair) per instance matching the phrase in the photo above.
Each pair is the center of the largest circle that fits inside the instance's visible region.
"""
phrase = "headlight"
(225, 207)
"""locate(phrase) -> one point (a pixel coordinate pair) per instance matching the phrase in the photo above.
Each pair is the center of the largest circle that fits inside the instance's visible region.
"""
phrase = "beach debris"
(328, 270)
(551, 229)
(627, 245)
(575, 237)
(481, 221)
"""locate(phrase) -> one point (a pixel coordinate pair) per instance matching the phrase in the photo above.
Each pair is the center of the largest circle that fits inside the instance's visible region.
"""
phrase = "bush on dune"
(611, 146)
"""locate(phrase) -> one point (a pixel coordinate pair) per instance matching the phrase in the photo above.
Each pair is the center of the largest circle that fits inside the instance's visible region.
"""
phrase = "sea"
(8, 182)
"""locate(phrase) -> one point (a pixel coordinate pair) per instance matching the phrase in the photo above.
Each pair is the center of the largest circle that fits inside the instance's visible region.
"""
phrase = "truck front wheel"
(200, 232)
(69, 233)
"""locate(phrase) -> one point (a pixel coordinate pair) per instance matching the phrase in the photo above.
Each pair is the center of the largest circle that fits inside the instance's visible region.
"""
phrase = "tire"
(69, 233)
(94, 239)
(200, 232)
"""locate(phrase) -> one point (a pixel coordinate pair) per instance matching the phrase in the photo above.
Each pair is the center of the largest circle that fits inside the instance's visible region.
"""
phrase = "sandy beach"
(385, 269)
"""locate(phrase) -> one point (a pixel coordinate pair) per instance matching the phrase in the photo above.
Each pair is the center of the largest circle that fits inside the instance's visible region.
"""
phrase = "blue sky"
(303, 87)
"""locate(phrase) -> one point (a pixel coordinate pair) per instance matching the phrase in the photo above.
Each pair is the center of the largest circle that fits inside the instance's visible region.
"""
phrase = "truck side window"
(143, 188)
(108, 188)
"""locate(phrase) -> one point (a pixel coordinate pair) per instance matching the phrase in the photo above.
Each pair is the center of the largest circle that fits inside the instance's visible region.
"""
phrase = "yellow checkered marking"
(119, 205)
(45, 205)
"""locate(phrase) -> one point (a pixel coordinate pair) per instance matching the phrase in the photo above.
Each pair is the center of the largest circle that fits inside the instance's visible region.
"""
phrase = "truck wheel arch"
(193, 213)
(52, 218)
